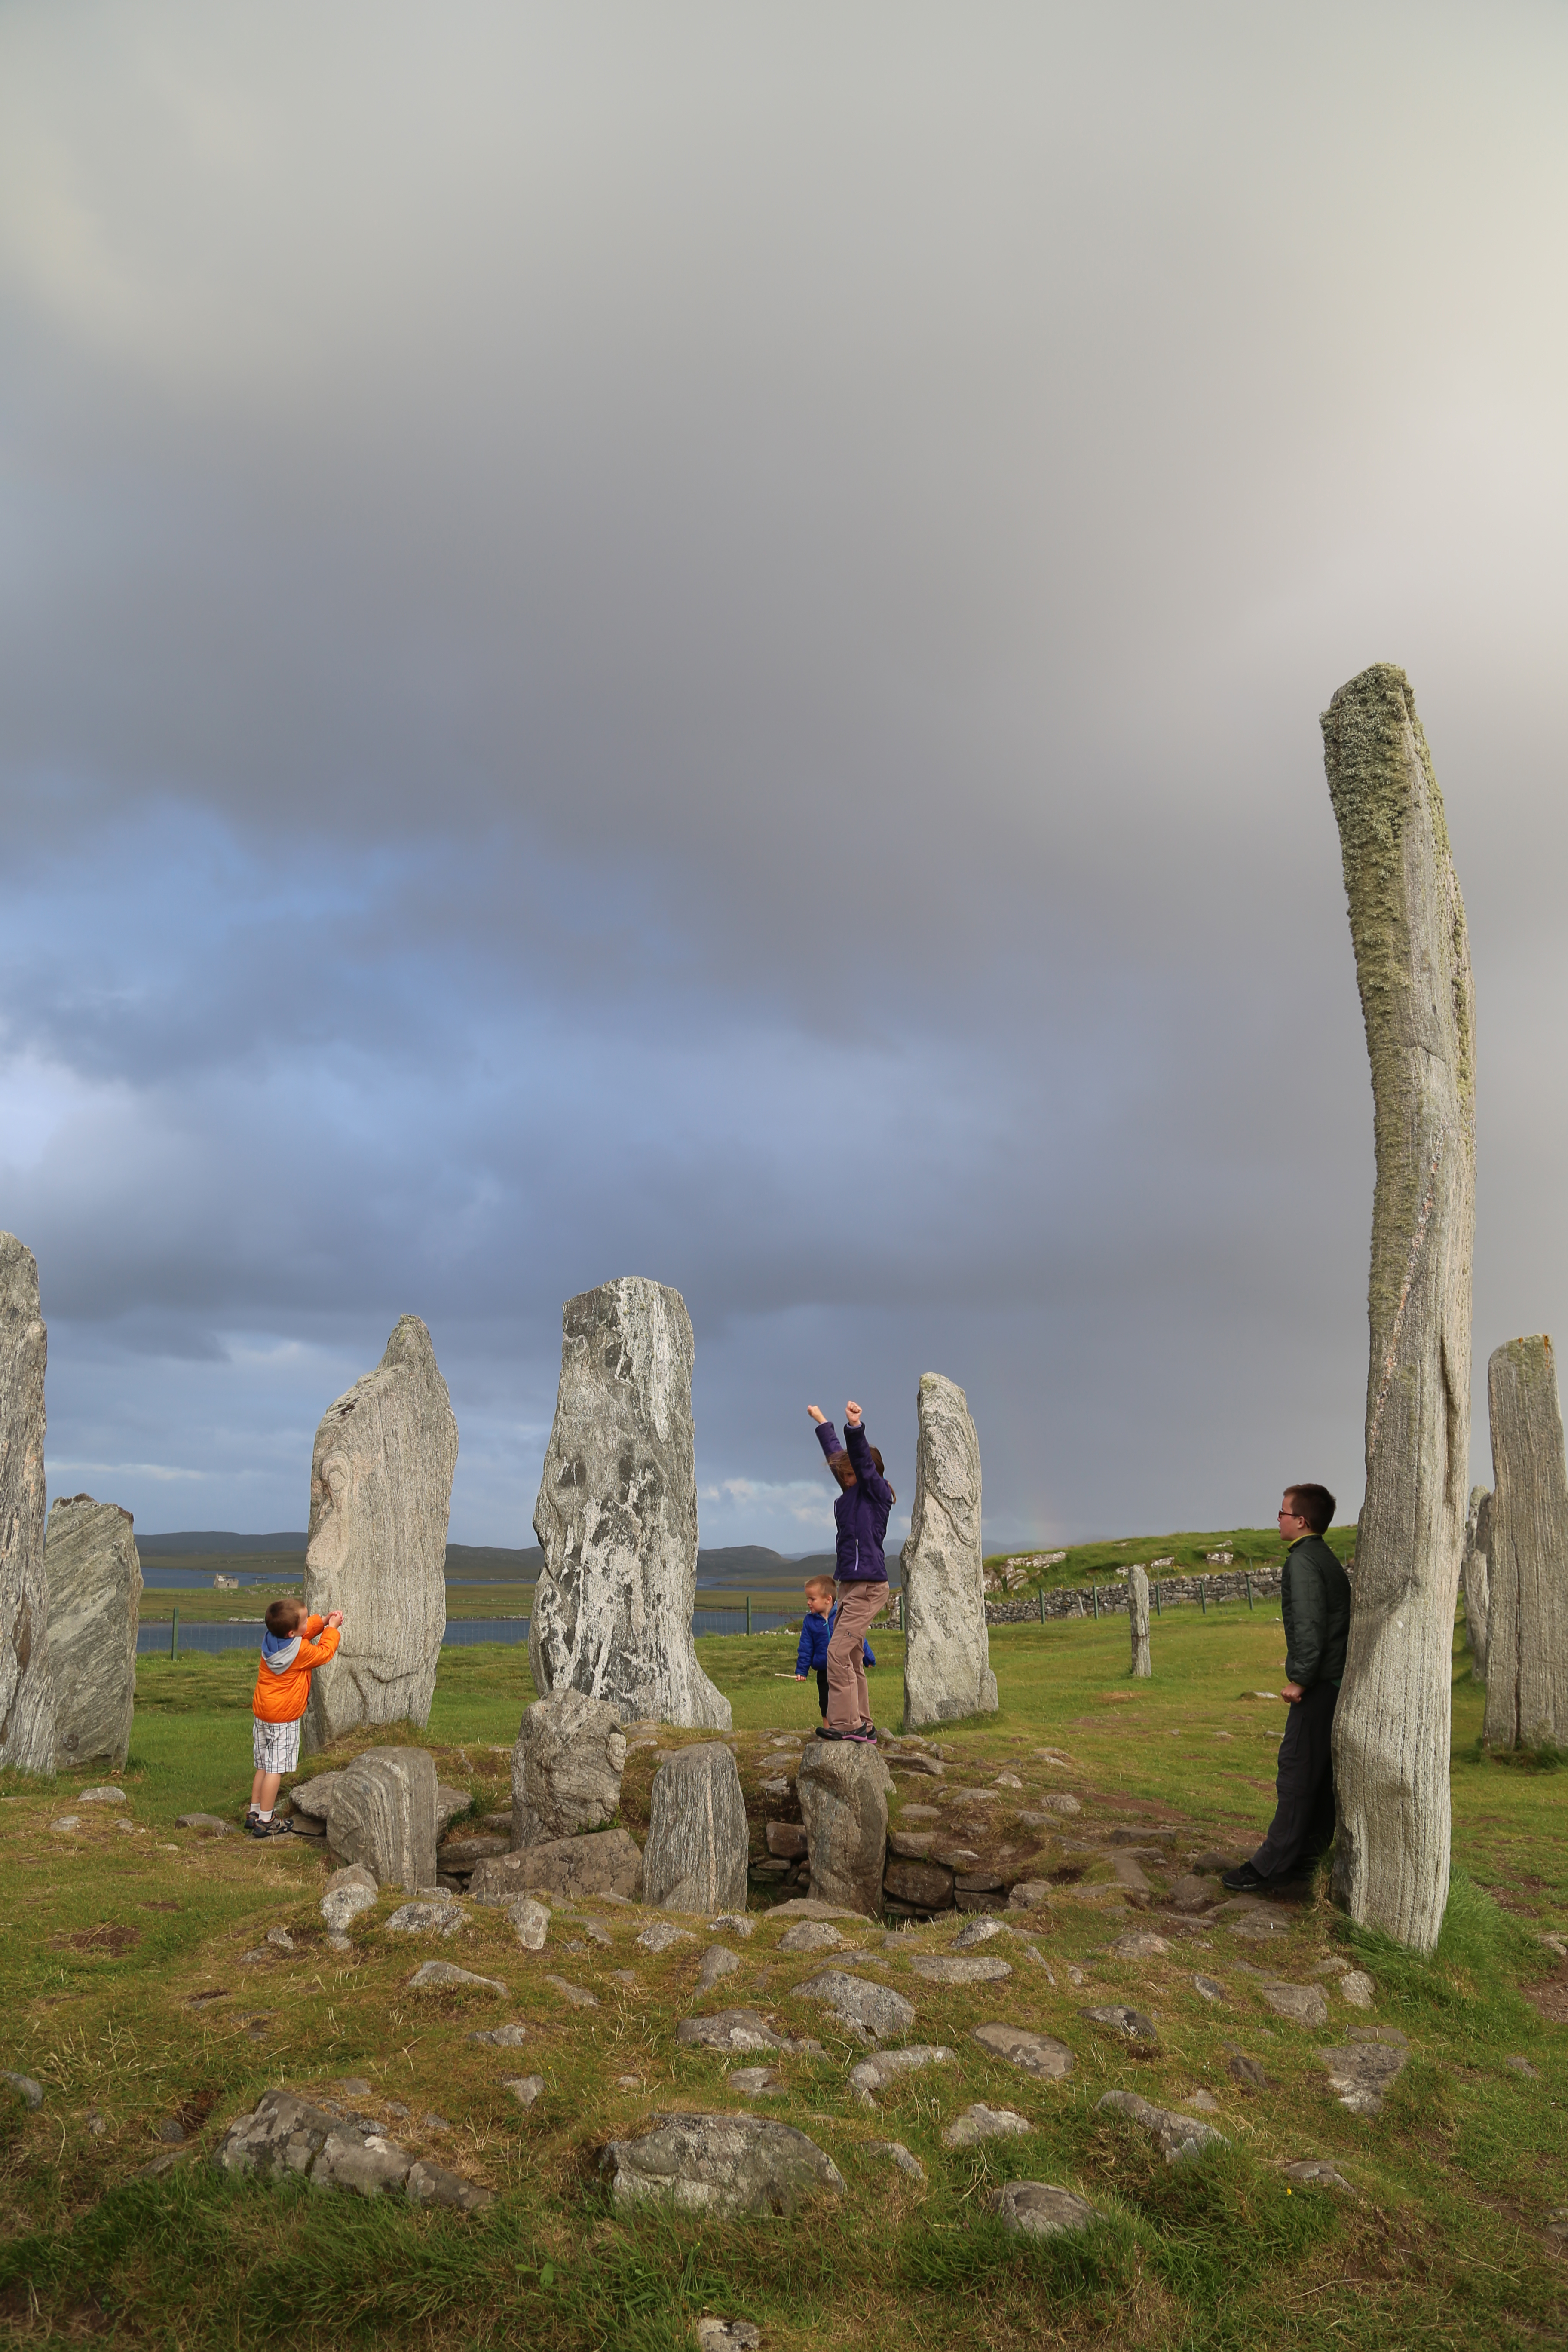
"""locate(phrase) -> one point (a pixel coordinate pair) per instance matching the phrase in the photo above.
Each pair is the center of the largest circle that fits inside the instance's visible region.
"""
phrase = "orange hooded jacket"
(282, 1695)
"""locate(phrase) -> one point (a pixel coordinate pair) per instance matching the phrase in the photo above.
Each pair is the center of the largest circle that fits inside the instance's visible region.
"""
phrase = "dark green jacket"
(1315, 1602)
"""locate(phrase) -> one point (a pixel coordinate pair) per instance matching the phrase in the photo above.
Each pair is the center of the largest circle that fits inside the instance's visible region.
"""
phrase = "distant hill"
(213, 1539)
(733, 1567)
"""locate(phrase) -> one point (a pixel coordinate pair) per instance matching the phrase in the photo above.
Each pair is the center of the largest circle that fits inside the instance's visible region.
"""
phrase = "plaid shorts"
(275, 1746)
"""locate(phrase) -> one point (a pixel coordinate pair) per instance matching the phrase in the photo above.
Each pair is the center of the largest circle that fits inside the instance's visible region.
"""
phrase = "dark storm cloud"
(692, 644)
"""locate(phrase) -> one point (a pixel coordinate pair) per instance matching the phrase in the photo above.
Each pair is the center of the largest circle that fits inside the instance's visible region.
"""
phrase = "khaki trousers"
(848, 1701)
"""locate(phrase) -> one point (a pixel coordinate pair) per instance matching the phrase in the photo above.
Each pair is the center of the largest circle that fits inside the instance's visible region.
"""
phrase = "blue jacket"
(816, 1632)
(861, 1514)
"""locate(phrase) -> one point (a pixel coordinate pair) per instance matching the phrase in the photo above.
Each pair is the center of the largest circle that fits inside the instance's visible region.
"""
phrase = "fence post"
(748, 1613)
(1095, 1590)
(1042, 1604)
(174, 1634)
(1203, 1594)
(1156, 1596)
(1247, 1576)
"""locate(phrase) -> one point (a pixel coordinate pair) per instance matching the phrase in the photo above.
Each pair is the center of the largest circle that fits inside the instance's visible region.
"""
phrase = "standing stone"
(1138, 1619)
(26, 1688)
(947, 1652)
(616, 1514)
(1475, 1577)
(1413, 967)
(1527, 1652)
(381, 1482)
(383, 1814)
(95, 1587)
(843, 1789)
(698, 1841)
(566, 1768)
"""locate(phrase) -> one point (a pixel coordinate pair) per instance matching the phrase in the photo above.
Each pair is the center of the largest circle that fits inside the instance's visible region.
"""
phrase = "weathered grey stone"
(529, 1921)
(1056, 1801)
(384, 1815)
(381, 1483)
(810, 1936)
(1191, 1893)
(716, 1962)
(437, 1976)
(784, 1840)
(1131, 2023)
(1035, 2054)
(314, 1796)
(427, 1919)
(806, 1906)
(924, 1885)
(1475, 1577)
(695, 1857)
(578, 1996)
(959, 1968)
(1140, 1946)
(210, 1825)
(659, 1934)
(896, 2153)
(844, 1789)
(574, 1868)
(31, 2094)
(979, 1931)
(735, 2029)
(107, 1795)
(1209, 1990)
(978, 2123)
(1313, 2170)
(94, 1580)
(1302, 2004)
(1137, 1619)
(616, 1513)
(284, 2134)
(503, 2037)
(365, 2162)
(432, 2184)
(947, 1654)
(1358, 1989)
(872, 2011)
(27, 1686)
(348, 1892)
(728, 2336)
(1360, 2074)
(1029, 1895)
(1527, 1653)
(1394, 1722)
(885, 2066)
(566, 1768)
(732, 1922)
(720, 2165)
(526, 2089)
(1179, 2135)
(1037, 2209)
(756, 2082)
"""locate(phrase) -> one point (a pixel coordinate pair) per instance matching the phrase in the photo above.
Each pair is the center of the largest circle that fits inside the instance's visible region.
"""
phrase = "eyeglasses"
(1283, 1514)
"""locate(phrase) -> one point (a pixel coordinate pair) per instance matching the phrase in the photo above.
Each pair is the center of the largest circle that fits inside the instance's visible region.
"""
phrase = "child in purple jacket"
(861, 1517)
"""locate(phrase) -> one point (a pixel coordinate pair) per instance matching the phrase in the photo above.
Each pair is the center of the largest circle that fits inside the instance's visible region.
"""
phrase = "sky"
(688, 642)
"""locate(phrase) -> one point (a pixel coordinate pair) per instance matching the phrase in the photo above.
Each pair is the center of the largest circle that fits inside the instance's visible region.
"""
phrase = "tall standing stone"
(94, 1580)
(616, 1514)
(1138, 1619)
(1475, 1577)
(381, 1484)
(27, 1687)
(383, 1814)
(1413, 967)
(695, 1857)
(1527, 1637)
(566, 1768)
(947, 1651)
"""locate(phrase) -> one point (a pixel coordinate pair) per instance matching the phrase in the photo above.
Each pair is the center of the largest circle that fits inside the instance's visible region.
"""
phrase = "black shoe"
(276, 1827)
(1244, 1881)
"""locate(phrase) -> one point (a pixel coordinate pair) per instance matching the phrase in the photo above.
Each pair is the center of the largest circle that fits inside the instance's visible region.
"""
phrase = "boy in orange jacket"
(290, 1652)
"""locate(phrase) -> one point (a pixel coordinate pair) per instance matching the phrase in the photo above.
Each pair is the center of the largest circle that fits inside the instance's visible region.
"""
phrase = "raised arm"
(858, 1447)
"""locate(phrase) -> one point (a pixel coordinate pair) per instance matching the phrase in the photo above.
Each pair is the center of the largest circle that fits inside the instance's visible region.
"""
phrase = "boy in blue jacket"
(816, 1632)
(861, 1515)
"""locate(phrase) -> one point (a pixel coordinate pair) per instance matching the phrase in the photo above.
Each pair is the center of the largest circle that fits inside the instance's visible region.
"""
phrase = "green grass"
(1100, 1563)
(1443, 2246)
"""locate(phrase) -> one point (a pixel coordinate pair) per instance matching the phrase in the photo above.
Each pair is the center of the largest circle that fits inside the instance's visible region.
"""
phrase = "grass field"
(133, 1997)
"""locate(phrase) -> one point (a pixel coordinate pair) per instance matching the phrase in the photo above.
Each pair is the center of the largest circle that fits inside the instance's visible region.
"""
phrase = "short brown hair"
(284, 1616)
(1315, 1505)
(819, 1584)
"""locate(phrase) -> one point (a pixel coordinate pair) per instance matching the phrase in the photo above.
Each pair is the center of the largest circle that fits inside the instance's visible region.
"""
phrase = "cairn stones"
(1392, 1728)
(698, 1840)
(27, 1686)
(1527, 1639)
(843, 1789)
(94, 1580)
(616, 1513)
(381, 1484)
(384, 1815)
(947, 1652)
(1137, 1621)
(566, 1768)
(1475, 1577)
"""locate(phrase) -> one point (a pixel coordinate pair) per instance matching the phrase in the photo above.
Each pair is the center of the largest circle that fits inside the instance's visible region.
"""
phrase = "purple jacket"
(861, 1514)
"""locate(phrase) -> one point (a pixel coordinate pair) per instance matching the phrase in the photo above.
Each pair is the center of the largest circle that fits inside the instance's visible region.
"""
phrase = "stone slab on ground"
(288, 2135)
(575, 1869)
(811, 1906)
(717, 1962)
(439, 1976)
(875, 2074)
(1302, 2004)
(348, 1892)
(720, 2165)
(734, 2029)
(873, 2010)
(1361, 2073)
(1038, 2209)
(427, 1919)
(1039, 2054)
(810, 1936)
(959, 1967)
(209, 1824)
(980, 2122)
(503, 2037)
(1130, 2023)
(1180, 2136)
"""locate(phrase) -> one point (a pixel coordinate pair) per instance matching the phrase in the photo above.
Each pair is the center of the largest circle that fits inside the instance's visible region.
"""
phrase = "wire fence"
(171, 1637)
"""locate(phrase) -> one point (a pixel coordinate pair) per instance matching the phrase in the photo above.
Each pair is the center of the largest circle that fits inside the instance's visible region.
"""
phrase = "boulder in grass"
(1181, 2137)
(383, 1813)
(427, 1919)
(1039, 2054)
(877, 2072)
(349, 1891)
(871, 2011)
(441, 1976)
(108, 1795)
(1038, 2209)
(432, 2184)
(31, 2094)
(566, 1767)
(980, 2122)
(1302, 2004)
(720, 2165)
(1130, 2023)
(959, 1967)
(209, 1824)
(737, 2029)
(608, 1862)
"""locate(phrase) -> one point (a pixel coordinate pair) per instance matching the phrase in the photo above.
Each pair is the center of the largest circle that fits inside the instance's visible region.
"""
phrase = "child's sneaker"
(276, 1827)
